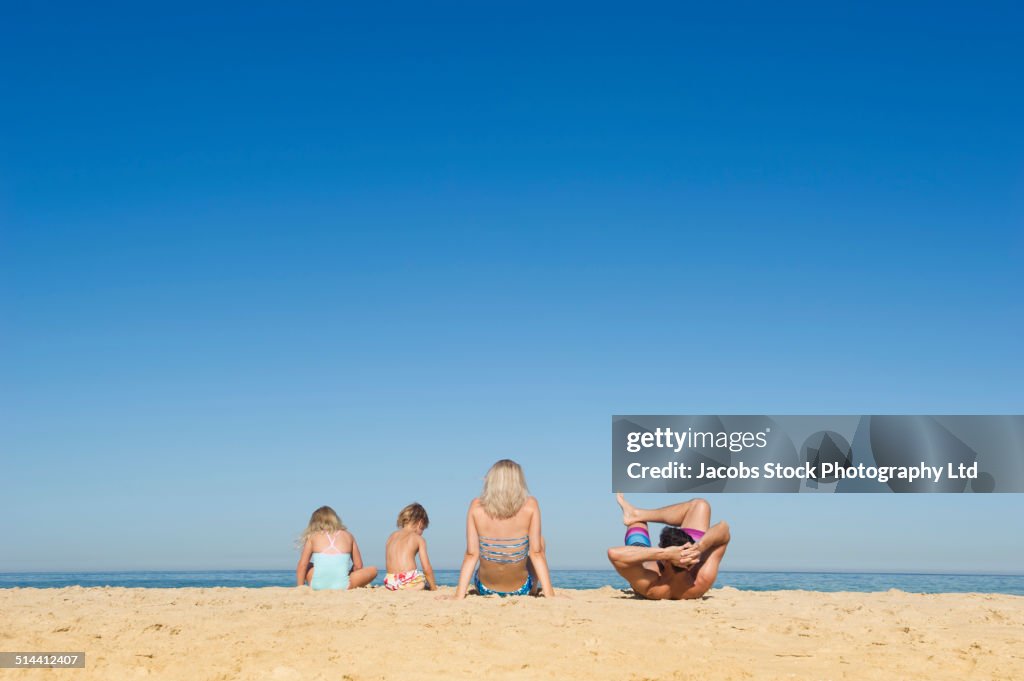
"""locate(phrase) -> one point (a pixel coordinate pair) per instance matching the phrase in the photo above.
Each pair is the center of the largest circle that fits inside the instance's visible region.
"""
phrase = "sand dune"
(278, 633)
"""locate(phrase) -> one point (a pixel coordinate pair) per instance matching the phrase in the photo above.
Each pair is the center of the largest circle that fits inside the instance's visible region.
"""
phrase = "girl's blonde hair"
(505, 490)
(324, 519)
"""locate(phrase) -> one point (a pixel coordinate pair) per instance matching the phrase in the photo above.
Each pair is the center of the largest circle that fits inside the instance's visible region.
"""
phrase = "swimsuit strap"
(505, 550)
(524, 538)
(330, 540)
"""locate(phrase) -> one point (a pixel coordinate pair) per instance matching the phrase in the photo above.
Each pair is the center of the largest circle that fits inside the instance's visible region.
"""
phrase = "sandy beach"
(279, 633)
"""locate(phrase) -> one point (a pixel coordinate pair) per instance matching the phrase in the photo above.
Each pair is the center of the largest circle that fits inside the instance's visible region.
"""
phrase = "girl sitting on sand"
(503, 535)
(401, 549)
(330, 556)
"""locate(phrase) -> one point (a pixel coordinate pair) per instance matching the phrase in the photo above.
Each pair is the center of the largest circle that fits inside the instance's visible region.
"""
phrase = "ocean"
(566, 579)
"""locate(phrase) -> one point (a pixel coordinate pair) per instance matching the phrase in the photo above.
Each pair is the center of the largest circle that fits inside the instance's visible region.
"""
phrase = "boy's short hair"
(412, 514)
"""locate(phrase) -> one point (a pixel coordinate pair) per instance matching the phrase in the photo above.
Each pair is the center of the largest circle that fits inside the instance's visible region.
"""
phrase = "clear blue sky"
(255, 259)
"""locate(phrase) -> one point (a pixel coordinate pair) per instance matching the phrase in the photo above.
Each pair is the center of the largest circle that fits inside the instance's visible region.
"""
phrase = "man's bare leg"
(694, 514)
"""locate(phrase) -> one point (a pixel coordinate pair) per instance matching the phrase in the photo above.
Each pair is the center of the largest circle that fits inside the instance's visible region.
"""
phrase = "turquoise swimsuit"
(524, 590)
(331, 570)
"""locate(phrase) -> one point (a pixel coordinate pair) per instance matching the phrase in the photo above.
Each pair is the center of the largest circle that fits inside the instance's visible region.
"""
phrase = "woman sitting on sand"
(330, 556)
(503, 540)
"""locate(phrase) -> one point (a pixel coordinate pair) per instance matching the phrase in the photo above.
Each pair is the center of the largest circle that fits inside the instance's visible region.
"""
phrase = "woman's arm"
(357, 558)
(428, 571)
(471, 557)
(303, 566)
(538, 555)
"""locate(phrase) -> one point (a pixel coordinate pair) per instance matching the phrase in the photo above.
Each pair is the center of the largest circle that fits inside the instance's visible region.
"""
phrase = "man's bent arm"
(634, 555)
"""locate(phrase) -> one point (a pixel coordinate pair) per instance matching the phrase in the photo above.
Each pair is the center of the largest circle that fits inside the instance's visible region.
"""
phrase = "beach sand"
(279, 633)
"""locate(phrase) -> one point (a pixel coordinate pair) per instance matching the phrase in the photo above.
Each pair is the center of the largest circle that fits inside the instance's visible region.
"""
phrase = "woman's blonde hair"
(324, 519)
(505, 489)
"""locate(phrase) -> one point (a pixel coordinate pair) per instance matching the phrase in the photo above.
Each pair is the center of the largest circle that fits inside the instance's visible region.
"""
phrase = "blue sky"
(258, 259)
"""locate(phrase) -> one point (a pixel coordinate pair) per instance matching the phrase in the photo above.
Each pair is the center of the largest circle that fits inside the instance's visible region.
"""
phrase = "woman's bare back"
(499, 575)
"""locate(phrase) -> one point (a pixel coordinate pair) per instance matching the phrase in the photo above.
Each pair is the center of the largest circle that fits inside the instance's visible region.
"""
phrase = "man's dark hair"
(674, 536)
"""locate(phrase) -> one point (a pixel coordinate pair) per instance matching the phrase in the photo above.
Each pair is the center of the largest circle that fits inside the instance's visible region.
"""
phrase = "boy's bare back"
(401, 549)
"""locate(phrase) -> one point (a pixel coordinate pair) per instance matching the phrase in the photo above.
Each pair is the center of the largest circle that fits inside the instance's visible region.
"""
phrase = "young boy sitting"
(401, 550)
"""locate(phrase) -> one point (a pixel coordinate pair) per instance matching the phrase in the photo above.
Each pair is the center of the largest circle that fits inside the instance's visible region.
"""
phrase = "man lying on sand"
(685, 565)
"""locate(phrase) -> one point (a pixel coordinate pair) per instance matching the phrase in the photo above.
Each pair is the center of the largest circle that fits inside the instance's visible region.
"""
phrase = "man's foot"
(629, 513)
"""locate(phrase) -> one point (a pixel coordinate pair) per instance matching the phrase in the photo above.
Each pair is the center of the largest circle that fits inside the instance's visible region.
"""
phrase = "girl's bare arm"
(357, 558)
(303, 566)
